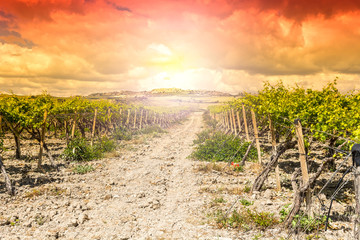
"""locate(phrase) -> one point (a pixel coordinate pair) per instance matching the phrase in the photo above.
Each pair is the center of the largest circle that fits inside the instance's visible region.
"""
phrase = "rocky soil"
(151, 190)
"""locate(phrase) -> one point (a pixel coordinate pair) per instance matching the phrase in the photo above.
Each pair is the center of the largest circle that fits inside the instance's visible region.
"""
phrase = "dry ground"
(151, 191)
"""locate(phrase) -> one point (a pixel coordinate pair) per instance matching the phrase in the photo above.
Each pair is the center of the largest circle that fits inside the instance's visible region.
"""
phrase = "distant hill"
(160, 92)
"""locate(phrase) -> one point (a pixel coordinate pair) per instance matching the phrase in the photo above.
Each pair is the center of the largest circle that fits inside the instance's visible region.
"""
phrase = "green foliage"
(202, 136)
(105, 145)
(219, 200)
(122, 134)
(216, 146)
(325, 110)
(82, 169)
(245, 202)
(303, 221)
(246, 219)
(247, 189)
(263, 220)
(211, 123)
(79, 150)
(284, 212)
(307, 223)
(152, 129)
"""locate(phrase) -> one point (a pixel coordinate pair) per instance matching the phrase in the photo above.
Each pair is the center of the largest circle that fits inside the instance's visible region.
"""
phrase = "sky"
(71, 47)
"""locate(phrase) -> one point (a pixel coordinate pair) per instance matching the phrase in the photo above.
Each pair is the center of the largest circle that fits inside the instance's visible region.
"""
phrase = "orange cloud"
(79, 46)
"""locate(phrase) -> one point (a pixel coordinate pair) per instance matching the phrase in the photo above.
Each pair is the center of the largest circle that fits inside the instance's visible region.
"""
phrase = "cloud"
(88, 45)
(305, 9)
(117, 7)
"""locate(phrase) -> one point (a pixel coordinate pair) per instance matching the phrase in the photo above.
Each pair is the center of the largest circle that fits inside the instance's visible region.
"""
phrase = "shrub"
(209, 121)
(152, 129)
(220, 147)
(303, 221)
(202, 136)
(82, 169)
(105, 145)
(245, 202)
(122, 134)
(79, 150)
(246, 219)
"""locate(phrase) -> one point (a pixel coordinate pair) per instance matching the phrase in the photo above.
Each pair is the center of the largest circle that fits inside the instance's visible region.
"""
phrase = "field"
(176, 167)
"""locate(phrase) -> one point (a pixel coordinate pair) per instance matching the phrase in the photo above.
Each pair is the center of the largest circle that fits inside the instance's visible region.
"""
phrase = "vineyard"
(303, 140)
(272, 165)
(77, 121)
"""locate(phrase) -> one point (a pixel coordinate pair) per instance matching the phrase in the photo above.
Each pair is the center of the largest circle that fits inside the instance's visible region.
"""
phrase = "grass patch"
(245, 202)
(79, 149)
(304, 222)
(245, 220)
(219, 200)
(153, 129)
(82, 169)
(217, 146)
(208, 167)
(122, 133)
(51, 191)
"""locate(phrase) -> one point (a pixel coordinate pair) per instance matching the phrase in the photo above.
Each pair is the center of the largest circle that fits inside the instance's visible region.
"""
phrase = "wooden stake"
(128, 118)
(245, 124)
(303, 164)
(146, 117)
(141, 117)
(230, 122)
(73, 127)
(357, 201)
(0, 124)
(233, 120)
(135, 119)
(120, 120)
(42, 138)
(274, 148)
(93, 127)
(109, 116)
(226, 121)
(238, 120)
(256, 136)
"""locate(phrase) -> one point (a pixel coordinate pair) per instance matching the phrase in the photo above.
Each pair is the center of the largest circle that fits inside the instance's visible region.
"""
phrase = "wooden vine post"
(303, 164)
(120, 120)
(233, 120)
(245, 124)
(42, 139)
(146, 117)
(223, 121)
(226, 121)
(141, 117)
(93, 127)
(256, 136)
(238, 120)
(274, 149)
(0, 124)
(135, 118)
(128, 118)
(73, 126)
(109, 117)
(228, 117)
(355, 151)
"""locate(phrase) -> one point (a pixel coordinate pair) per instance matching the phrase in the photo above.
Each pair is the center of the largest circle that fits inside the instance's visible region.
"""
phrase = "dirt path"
(149, 193)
